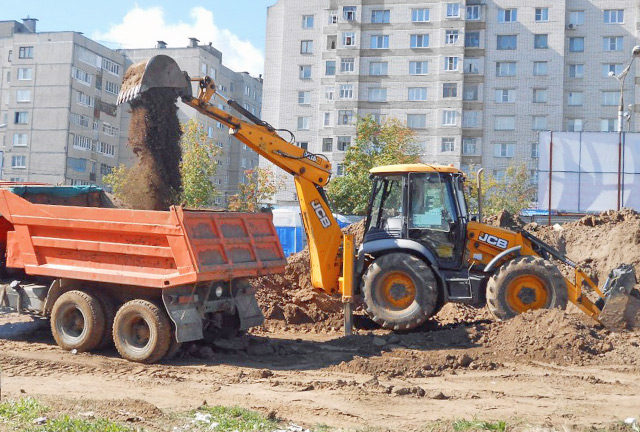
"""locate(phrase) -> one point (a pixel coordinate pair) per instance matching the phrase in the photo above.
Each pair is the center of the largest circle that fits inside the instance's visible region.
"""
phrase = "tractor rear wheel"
(400, 291)
(525, 283)
(141, 331)
(77, 321)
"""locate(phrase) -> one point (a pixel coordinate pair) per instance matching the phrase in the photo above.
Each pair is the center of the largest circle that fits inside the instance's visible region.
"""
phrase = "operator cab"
(423, 204)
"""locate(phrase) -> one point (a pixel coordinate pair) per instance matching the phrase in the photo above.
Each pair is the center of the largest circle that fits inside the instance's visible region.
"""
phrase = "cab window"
(430, 202)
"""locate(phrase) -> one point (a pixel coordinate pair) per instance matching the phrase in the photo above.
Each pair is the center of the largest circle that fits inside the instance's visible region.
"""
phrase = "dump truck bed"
(157, 249)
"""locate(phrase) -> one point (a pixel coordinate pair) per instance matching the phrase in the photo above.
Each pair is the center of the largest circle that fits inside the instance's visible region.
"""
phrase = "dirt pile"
(505, 220)
(154, 137)
(598, 243)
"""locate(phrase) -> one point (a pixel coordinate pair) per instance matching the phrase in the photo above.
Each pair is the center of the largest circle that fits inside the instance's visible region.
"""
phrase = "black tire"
(400, 291)
(525, 283)
(77, 321)
(141, 331)
(110, 308)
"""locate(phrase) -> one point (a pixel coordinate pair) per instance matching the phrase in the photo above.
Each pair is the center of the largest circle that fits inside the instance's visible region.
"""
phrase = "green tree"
(514, 193)
(259, 187)
(375, 145)
(198, 166)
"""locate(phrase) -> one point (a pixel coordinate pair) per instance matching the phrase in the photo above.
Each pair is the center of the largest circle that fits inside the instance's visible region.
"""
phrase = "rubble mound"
(505, 220)
(455, 313)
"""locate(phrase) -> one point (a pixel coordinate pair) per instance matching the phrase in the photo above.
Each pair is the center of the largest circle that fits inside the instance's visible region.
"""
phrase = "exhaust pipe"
(479, 186)
(159, 71)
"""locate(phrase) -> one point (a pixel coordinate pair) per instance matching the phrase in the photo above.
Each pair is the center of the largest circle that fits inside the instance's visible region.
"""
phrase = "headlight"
(219, 291)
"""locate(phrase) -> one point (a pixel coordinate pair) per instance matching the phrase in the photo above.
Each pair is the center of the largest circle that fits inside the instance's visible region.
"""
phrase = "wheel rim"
(398, 291)
(71, 322)
(526, 293)
(136, 332)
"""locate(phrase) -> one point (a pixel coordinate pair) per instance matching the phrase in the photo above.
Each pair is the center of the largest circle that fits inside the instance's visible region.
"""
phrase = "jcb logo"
(493, 240)
(322, 215)
(312, 157)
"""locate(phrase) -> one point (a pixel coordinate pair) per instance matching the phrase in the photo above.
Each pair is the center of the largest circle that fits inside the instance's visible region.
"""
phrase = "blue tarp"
(58, 191)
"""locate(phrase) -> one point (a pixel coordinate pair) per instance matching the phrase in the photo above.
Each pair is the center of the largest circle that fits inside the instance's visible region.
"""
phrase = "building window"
(380, 16)
(306, 47)
(507, 42)
(418, 67)
(18, 161)
(377, 95)
(575, 98)
(307, 21)
(23, 95)
(453, 10)
(330, 67)
(339, 170)
(378, 68)
(305, 71)
(470, 92)
(507, 15)
(349, 13)
(505, 95)
(111, 67)
(347, 64)
(472, 40)
(504, 150)
(574, 125)
(469, 146)
(303, 123)
(576, 44)
(328, 93)
(24, 74)
(332, 42)
(534, 150)
(504, 123)
(505, 69)
(346, 91)
(333, 17)
(451, 63)
(327, 145)
(111, 87)
(541, 41)
(611, 68)
(343, 143)
(304, 97)
(210, 131)
(21, 117)
(110, 130)
(539, 123)
(449, 118)
(420, 41)
(449, 90)
(417, 121)
(471, 119)
(81, 75)
(608, 125)
(345, 117)
(25, 52)
(473, 13)
(610, 98)
(576, 18)
(348, 39)
(539, 95)
(20, 140)
(540, 68)
(447, 144)
(613, 16)
(451, 37)
(84, 99)
(542, 14)
(420, 15)
(417, 93)
(612, 43)
(576, 71)
(471, 65)
(379, 41)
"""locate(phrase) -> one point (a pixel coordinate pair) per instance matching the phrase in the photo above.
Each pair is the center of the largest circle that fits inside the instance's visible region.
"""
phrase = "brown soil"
(154, 137)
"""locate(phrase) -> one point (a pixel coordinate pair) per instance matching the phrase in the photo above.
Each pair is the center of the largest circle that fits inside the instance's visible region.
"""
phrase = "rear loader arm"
(311, 173)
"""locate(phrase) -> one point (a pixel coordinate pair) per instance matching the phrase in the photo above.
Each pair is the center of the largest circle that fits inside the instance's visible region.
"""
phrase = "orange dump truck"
(146, 280)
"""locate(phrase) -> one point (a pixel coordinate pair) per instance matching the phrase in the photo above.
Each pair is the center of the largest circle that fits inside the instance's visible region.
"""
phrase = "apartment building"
(476, 81)
(200, 60)
(58, 118)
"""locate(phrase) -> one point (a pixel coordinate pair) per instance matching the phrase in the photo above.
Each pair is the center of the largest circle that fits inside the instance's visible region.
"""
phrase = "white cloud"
(141, 28)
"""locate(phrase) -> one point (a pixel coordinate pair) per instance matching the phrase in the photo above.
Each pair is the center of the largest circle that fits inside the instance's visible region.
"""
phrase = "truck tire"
(141, 331)
(400, 291)
(525, 283)
(77, 321)
(110, 308)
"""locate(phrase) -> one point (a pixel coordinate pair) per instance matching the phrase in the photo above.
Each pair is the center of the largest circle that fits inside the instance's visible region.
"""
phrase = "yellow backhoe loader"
(420, 249)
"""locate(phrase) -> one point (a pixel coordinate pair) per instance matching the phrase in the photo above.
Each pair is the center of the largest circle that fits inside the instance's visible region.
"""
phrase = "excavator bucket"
(158, 71)
(621, 310)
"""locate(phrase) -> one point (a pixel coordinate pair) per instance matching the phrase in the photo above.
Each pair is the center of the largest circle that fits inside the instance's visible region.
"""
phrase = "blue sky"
(123, 24)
